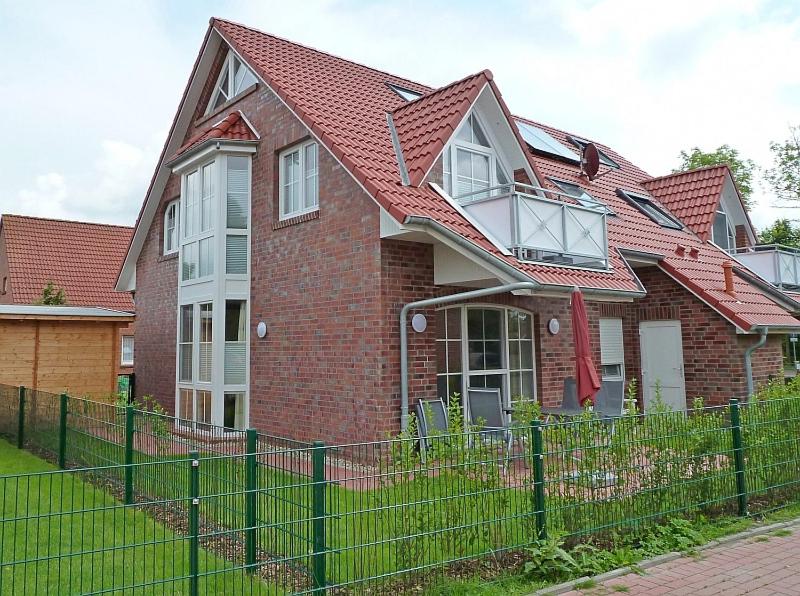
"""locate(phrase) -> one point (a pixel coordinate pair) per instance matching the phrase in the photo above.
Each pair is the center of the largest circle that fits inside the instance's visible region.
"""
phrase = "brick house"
(301, 200)
(81, 258)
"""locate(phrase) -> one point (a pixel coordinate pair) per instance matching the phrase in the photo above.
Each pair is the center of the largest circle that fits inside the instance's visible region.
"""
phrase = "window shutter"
(611, 348)
(236, 254)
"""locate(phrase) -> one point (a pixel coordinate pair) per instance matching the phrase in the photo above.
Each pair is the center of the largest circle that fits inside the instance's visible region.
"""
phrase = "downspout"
(748, 363)
(521, 285)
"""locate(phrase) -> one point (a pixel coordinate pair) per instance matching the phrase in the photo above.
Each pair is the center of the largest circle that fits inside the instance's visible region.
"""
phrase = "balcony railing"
(779, 265)
(537, 226)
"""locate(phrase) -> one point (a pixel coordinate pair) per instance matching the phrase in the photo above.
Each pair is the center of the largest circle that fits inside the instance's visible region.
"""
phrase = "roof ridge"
(212, 20)
(60, 220)
(486, 72)
(692, 171)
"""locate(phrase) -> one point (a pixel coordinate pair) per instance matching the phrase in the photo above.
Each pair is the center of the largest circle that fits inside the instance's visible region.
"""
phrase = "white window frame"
(122, 360)
(173, 206)
(729, 229)
(450, 156)
(605, 360)
(198, 234)
(231, 92)
(301, 148)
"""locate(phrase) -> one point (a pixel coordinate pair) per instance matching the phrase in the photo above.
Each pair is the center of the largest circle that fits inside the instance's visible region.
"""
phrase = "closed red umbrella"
(585, 374)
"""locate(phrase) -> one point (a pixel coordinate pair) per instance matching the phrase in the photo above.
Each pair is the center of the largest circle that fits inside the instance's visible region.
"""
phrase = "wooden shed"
(61, 348)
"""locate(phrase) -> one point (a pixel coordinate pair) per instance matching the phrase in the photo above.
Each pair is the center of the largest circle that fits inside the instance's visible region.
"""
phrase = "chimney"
(727, 269)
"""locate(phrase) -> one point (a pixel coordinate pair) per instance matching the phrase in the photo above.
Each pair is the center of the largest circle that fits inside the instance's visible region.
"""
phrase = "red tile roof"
(83, 258)
(234, 127)
(692, 196)
(345, 105)
(425, 125)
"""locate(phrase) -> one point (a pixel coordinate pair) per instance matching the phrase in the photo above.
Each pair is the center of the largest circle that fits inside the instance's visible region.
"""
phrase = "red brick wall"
(742, 239)
(156, 306)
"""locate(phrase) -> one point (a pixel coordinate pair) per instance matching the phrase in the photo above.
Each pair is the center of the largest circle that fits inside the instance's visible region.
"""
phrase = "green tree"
(52, 295)
(784, 176)
(741, 168)
(782, 231)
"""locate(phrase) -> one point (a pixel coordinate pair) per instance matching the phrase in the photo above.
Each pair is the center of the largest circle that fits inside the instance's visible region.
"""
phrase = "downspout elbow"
(748, 360)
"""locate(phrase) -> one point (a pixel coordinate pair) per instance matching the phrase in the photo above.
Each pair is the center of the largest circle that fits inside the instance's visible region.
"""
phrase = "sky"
(89, 89)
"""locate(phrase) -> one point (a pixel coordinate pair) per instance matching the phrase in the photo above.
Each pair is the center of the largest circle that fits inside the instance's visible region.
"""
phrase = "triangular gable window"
(234, 78)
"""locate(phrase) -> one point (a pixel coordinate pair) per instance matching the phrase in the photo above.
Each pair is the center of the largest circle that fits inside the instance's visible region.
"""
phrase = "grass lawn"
(59, 534)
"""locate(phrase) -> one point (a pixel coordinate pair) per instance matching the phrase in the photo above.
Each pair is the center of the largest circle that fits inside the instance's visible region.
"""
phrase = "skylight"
(539, 140)
(604, 159)
(650, 209)
(234, 78)
(406, 94)
(580, 195)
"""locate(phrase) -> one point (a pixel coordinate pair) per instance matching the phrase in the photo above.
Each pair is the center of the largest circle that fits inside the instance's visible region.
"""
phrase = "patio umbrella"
(585, 374)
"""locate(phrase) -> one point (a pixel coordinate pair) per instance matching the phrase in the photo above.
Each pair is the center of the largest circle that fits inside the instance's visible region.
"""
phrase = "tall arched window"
(485, 346)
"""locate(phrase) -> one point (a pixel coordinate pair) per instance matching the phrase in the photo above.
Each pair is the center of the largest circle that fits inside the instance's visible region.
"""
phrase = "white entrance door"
(662, 363)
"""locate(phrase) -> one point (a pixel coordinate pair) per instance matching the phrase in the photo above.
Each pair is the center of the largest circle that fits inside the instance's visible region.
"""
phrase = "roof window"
(650, 209)
(406, 94)
(584, 198)
(604, 159)
(542, 142)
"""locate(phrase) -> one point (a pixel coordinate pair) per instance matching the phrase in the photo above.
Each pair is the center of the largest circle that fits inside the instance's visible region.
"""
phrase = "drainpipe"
(748, 363)
(521, 285)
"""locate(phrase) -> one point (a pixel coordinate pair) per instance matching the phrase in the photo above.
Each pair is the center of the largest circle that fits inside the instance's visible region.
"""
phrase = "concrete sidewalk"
(764, 564)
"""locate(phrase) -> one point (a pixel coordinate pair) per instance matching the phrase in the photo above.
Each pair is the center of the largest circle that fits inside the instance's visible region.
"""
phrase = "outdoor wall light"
(419, 323)
(261, 329)
(553, 326)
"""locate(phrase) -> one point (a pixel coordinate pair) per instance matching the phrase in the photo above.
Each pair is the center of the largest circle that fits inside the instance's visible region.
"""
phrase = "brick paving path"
(762, 565)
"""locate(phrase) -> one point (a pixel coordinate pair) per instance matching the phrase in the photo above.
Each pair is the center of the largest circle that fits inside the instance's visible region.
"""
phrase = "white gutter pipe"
(748, 363)
(521, 285)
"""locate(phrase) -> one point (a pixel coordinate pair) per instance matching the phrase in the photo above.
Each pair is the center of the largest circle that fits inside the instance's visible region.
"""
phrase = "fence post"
(738, 456)
(130, 414)
(194, 522)
(250, 500)
(318, 520)
(537, 446)
(62, 432)
(21, 419)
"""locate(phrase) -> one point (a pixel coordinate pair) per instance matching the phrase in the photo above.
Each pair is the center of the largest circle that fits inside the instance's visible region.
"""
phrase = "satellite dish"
(590, 160)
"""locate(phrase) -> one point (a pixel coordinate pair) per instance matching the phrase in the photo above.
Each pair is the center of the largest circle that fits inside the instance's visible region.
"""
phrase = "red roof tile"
(692, 196)
(234, 127)
(82, 258)
(345, 104)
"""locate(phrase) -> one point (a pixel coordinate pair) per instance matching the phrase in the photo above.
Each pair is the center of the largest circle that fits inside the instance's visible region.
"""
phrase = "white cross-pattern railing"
(777, 264)
(539, 225)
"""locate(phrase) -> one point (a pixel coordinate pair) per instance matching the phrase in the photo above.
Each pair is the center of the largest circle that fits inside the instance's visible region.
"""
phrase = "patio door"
(662, 363)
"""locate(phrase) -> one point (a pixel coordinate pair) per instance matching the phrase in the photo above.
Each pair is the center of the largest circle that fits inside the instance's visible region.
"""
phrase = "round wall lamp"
(261, 329)
(419, 323)
(553, 326)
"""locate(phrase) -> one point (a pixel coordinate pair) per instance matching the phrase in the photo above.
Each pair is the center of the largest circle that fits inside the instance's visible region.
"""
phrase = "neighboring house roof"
(27, 311)
(234, 127)
(692, 196)
(82, 258)
(345, 106)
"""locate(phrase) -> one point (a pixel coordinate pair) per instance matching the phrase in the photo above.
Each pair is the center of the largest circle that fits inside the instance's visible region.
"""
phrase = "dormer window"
(234, 78)
(722, 233)
(470, 163)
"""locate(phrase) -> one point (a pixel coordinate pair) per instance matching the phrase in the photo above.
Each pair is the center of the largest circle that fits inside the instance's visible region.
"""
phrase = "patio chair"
(486, 411)
(569, 402)
(431, 419)
(609, 402)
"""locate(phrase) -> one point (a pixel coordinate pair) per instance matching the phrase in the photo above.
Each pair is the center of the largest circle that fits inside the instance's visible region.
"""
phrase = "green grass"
(64, 535)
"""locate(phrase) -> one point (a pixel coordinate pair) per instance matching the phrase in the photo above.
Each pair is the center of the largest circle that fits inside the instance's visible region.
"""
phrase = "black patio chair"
(431, 420)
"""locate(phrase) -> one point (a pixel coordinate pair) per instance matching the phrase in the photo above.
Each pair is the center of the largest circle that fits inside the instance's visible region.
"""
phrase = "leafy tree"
(784, 176)
(741, 168)
(782, 231)
(52, 295)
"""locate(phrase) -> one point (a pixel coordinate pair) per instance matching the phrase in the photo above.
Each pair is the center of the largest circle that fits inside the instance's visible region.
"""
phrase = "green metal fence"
(264, 514)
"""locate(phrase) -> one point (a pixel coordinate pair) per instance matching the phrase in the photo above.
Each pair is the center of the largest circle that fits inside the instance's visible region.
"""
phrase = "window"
(171, 228)
(127, 350)
(299, 181)
(233, 414)
(406, 94)
(206, 343)
(604, 159)
(612, 353)
(237, 215)
(650, 209)
(580, 195)
(470, 164)
(540, 141)
(721, 231)
(198, 223)
(186, 343)
(485, 347)
(235, 342)
(234, 78)
(5, 285)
